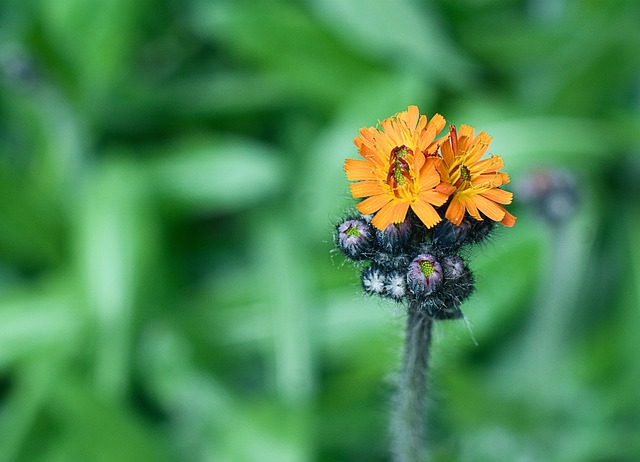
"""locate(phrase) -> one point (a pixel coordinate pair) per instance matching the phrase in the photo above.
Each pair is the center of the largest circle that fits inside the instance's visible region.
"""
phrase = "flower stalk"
(408, 416)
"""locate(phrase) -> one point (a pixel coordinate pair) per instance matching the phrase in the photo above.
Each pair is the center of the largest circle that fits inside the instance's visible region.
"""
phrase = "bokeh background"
(170, 173)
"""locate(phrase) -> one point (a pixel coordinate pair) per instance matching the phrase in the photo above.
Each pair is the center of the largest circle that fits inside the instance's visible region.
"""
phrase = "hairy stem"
(407, 423)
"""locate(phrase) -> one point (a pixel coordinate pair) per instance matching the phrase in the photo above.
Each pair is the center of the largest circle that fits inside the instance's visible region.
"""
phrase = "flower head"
(477, 182)
(398, 171)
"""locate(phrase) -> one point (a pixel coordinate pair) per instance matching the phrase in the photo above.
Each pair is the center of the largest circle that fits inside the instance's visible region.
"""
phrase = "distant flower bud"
(394, 237)
(424, 275)
(554, 194)
(354, 238)
(395, 285)
(373, 281)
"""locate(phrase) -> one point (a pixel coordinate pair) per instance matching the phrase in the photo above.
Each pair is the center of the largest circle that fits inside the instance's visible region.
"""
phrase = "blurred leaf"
(217, 175)
(96, 38)
(282, 40)
(91, 430)
(399, 33)
(115, 232)
(38, 320)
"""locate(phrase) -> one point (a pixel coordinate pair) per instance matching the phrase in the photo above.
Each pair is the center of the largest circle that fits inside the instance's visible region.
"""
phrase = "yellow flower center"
(465, 173)
(426, 267)
(398, 174)
(353, 231)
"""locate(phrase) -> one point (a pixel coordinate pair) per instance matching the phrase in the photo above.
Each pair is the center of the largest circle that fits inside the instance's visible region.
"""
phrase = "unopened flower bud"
(446, 235)
(394, 237)
(395, 285)
(453, 266)
(354, 238)
(424, 275)
(479, 230)
(554, 194)
(373, 280)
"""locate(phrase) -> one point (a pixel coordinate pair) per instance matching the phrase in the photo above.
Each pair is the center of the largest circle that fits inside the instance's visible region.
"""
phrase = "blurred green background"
(170, 172)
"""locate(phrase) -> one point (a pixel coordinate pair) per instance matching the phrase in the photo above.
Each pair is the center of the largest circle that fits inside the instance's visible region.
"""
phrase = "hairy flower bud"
(424, 275)
(446, 235)
(373, 280)
(354, 238)
(395, 285)
(453, 266)
(394, 237)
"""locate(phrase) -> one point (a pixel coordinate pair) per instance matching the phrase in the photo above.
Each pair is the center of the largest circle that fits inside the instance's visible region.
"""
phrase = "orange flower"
(399, 169)
(476, 181)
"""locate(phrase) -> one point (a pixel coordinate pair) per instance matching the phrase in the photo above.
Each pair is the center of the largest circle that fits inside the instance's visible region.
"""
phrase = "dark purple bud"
(446, 235)
(394, 237)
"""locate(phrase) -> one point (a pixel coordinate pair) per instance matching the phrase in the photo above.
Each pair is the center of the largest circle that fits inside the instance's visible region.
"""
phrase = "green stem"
(408, 423)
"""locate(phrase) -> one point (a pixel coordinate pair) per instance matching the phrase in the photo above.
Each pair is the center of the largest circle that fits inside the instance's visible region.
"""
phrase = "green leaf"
(216, 175)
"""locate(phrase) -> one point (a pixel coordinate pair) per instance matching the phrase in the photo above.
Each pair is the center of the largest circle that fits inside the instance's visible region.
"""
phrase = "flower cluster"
(409, 262)
(408, 179)
(405, 167)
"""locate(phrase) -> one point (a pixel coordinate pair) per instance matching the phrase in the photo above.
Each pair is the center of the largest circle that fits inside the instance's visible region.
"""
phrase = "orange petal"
(490, 165)
(365, 189)
(455, 211)
(463, 145)
(373, 204)
(359, 169)
(371, 153)
(490, 180)
(498, 195)
(466, 131)
(508, 220)
(478, 148)
(422, 123)
(412, 117)
(426, 213)
(437, 122)
(445, 188)
(489, 208)
(433, 147)
(393, 212)
(429, 176)
(504, 178)
(472, 209)
(391, 130)
(447, 154)
(434, 197)
(418, 160)
(369, 133)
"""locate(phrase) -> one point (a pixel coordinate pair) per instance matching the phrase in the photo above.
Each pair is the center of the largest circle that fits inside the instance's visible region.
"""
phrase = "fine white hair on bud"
(373, 281)
(453, 266)
(395, 285)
